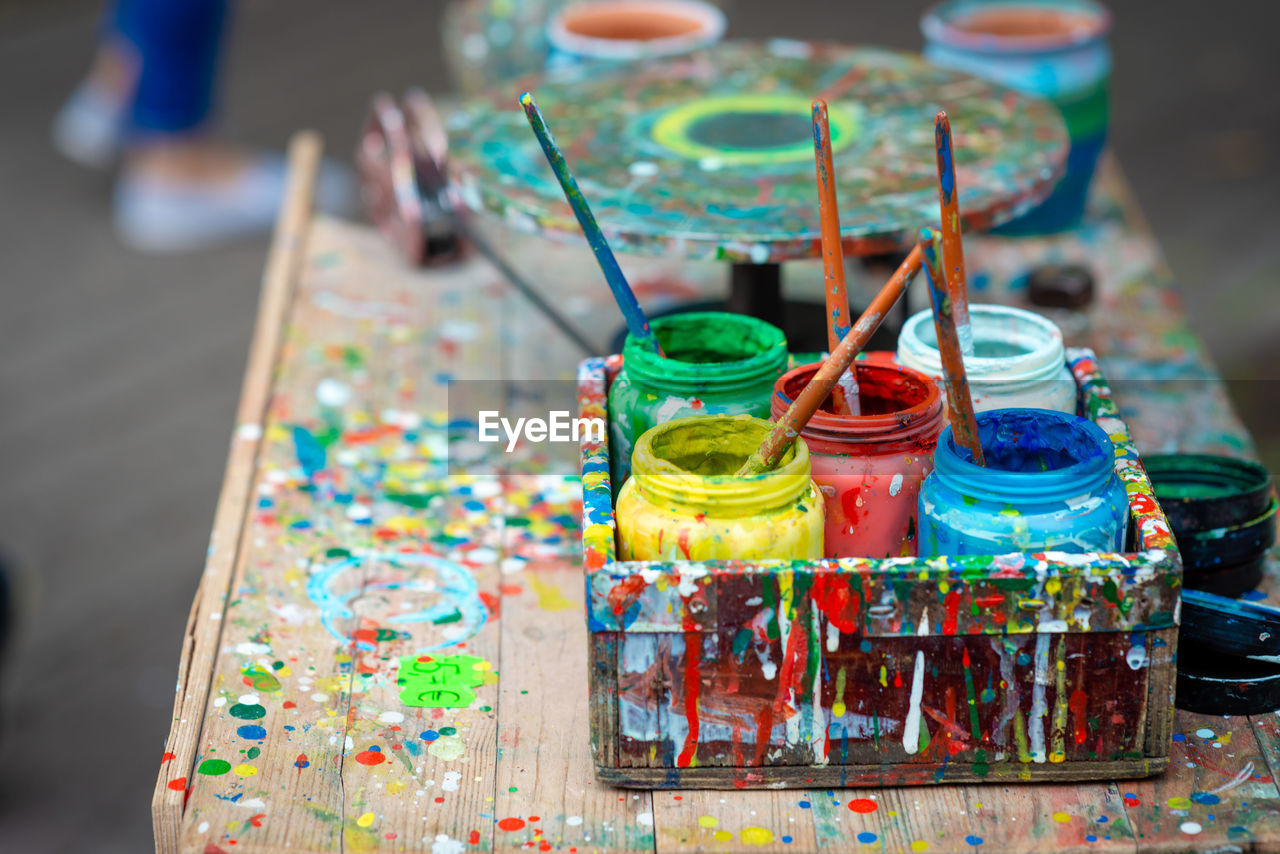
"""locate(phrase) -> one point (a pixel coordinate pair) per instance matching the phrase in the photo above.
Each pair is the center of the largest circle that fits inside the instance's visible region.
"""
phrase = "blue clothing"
(178, 43)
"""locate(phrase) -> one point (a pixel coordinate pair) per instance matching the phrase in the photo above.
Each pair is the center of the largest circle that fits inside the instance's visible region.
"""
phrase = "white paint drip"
(444, 845)
(1136, 657)
(852, 394)
(451, 779)
(911, 729)
(817, 735)
(1039, 708)
(833, 637)
(332, 393)
(895, 485)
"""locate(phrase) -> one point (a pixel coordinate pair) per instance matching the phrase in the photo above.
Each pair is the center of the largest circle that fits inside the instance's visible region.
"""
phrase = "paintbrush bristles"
(964, 425)
(637, 323)
(949, 219)
(810, 398)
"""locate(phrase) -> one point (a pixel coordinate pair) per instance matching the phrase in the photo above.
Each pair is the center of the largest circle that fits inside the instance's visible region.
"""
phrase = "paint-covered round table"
(710, 156)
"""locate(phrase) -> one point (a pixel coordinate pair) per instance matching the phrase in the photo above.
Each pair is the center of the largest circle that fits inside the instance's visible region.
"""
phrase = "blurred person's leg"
(179, 187)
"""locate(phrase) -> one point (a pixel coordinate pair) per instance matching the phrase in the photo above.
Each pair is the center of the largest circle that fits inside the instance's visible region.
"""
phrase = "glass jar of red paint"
(869, 467)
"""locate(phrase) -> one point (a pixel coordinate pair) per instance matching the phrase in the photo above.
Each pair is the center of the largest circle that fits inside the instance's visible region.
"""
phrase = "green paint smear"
(214, 767)
(261, 679)
(247, 713)
(254, 753)
(442, 683)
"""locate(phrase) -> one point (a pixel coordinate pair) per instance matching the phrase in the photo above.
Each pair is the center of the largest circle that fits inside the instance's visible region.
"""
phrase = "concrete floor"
(119, 373)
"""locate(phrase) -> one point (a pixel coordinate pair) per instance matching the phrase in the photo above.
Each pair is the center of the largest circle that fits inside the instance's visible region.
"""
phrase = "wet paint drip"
(684, 501)
(869, 467)
(1048, 484)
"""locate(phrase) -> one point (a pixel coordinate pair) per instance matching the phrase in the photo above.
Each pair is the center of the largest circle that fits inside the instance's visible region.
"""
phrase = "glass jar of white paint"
(1018, 359)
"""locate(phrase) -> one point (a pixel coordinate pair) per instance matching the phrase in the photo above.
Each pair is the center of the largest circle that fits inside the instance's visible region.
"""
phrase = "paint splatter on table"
(386, 657)
(673, 159)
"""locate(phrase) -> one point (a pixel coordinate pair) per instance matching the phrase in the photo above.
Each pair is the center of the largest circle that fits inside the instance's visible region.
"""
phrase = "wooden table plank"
(547, 792)
(204, 626)
(893, 820)
(1219, 792)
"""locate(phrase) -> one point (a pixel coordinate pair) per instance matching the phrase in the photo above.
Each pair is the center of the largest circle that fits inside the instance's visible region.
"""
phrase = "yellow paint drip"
(447, 748)
(395, 787)
(365, 820)
(549, 596)
(756, 836)
(723, 836)
(1062, 817)
(919, 845)
(245, 770)
(708, 821)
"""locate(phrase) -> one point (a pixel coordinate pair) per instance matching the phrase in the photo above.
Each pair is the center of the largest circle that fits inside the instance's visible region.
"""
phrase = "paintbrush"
(844, 396)
(810, 398)
(952, 248)
(964, 426)
(637, 323)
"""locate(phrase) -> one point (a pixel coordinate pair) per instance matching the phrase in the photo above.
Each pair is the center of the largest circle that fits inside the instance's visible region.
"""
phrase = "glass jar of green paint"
(715, 364)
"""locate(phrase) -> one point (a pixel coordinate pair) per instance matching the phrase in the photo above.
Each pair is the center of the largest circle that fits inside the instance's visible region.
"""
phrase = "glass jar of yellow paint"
(685, 502)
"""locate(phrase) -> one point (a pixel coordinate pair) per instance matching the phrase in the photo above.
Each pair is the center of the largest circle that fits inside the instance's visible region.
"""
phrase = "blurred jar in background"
(1057, 49)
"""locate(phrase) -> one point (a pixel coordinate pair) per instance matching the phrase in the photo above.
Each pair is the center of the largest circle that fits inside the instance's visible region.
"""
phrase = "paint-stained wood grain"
(547, 790)
(204, 625)
(1219, 793)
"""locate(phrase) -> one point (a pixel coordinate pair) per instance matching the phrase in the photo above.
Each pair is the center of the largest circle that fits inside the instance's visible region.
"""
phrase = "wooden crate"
(903, 671)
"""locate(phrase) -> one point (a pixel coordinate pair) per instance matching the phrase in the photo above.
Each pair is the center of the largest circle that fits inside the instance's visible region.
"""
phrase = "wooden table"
(288, 737)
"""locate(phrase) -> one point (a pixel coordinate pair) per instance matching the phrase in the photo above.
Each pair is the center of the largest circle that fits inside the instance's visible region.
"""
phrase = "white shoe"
(162, 215)
(89, 128)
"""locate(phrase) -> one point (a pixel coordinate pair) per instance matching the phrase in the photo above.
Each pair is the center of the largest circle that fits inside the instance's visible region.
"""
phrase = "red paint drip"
(952, 604)
(862, 805)
(622, 593)
(683, 542)
(510, 825)
(1077, 705)
(692, 683)
(178, 784)
(474, 838)
(370, 757)
(491, 602)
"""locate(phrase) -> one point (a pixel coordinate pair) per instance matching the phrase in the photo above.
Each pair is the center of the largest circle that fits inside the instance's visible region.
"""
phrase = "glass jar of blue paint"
(1049, 484)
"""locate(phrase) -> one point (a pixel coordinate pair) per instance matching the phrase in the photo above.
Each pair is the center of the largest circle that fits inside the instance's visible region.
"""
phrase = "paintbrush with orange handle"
(964, 425)
(845, 395)
(952, 247)
(810, 398)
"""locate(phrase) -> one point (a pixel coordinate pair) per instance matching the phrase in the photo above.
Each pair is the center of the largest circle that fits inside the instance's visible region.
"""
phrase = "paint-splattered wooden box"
(904, 671)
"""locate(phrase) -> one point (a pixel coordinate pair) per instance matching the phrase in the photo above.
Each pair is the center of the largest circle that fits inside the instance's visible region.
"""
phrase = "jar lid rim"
(1083, 475)
(1042, 361)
